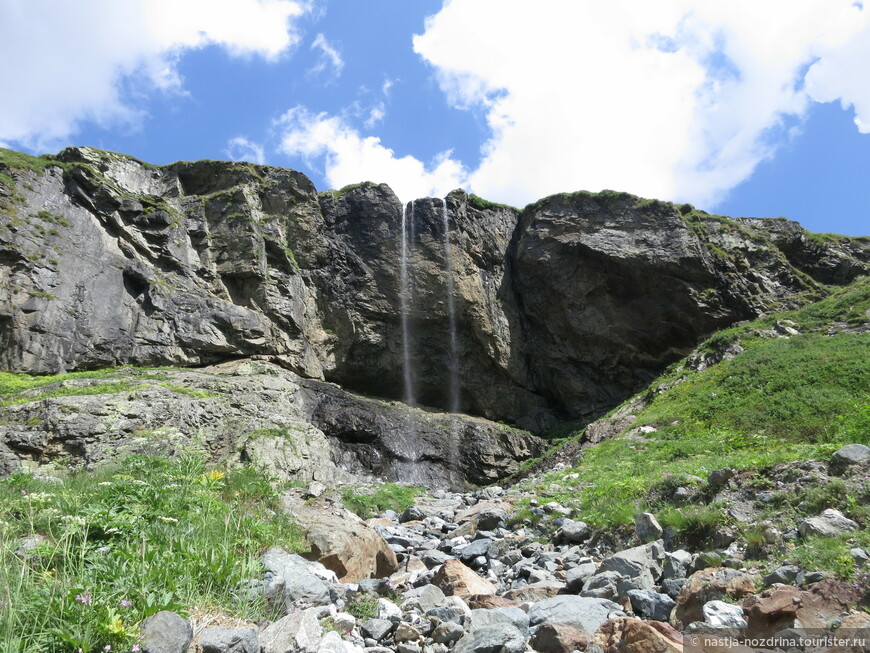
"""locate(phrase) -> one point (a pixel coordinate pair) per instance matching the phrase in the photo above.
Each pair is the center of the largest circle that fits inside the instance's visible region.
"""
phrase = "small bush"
(389, 496)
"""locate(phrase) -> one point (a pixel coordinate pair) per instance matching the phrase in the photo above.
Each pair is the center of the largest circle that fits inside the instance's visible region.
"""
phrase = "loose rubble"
(470, 579)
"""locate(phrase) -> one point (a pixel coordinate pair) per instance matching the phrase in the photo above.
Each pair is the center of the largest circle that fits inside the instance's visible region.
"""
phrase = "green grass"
(123, 542)
(781, 400)
(483, 205)
(389, 496)
(24, 388)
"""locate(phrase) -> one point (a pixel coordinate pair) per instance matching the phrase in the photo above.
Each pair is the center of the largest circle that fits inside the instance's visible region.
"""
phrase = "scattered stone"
(647, 527)
(377, 629)
(711, 584)
(297, 632)
(166, 632)
(577, 576)
(229, 640)
(785, 575)
(626, 635)
(498, 638)
(454, 578)
(581, 612)
(406, 633)
(652, 605)
(719, 614)
(720, 477)
(448, 633)
(851, 454)
(559, 638)
(572, 532)
(830, 523)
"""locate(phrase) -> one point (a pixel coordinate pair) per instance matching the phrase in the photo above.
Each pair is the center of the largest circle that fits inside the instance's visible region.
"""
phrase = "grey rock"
(573, 532)
(651, 605)
(830, 523)
(719, 478)
(581, 612)
(377, 629)
(672, 586)
(647, 527)
(851, 454)
(481, 618)
(424, 598)
(475, 549)
(602, 585)
(860, 556)
(166, 632)
(333, 643)
(298, 632)
(498, 638)
(787, 575)
(492, 518)
(447, 633)
(577, 576)
(719, 614)
(229, 640)
(641, 562)
(676, 563)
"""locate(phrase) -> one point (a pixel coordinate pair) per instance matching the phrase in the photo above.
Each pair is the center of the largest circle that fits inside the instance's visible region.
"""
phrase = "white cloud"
(329, 57)
(80, 54)
(350, 158)
(674, 100)
(678, 100)
(242, 149)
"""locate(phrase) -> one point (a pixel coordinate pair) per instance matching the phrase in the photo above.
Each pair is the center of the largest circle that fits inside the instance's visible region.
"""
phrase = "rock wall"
(255, 412)
(563, 309)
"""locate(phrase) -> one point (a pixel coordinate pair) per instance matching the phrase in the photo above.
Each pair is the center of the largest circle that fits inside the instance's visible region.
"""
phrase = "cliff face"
(561, 310)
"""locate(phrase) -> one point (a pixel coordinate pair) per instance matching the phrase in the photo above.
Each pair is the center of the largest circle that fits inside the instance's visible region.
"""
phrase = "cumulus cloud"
(679, 100)
(242, 149)
(81, 55)
(348, 157)
(329, 57)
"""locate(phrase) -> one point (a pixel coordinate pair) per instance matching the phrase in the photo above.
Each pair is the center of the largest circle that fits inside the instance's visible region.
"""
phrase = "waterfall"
(405, 305)
(453, 361)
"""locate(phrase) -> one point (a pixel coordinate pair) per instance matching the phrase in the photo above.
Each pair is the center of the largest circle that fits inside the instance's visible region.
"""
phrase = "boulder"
(342, 542)
(647, 527)
(577, 576)
(711, 584)
(626, 635)
(580, 612)
(772, 611)
(830, 523)
(229, 640)
(454, 578)
(641, 562)
(572, 532)
(290, 578)
(719, 614)
(559, 638)
(166, 632)
(650, 604)
(535, 591)
(376, 629)
(497, 638)
(481, 618)
(851, 454)
(298, 632)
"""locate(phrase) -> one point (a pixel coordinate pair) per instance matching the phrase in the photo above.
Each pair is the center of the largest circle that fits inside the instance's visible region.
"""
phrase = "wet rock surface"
(562, 309)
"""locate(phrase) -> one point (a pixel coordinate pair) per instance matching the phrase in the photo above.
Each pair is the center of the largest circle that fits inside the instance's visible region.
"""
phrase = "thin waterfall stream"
(405, 305)
(453, 361)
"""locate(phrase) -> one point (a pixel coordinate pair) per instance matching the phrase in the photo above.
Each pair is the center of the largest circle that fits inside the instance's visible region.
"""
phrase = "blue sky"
(757, 108)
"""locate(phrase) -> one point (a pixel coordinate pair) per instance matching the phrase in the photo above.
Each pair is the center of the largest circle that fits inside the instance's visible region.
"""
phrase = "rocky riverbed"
(462, 572)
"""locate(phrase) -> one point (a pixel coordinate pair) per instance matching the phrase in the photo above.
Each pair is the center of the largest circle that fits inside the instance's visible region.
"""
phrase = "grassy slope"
(783, 399)
(110, 547)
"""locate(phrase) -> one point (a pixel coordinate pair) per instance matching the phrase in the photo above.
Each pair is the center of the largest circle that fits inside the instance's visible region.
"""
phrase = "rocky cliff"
(561, 310)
